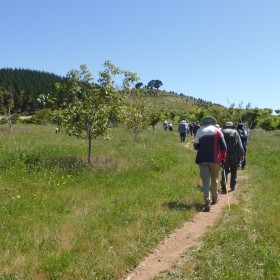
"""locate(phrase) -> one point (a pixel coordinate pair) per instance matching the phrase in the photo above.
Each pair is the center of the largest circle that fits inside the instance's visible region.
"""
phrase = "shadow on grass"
(178, 206)
(99, 164)
(72, 164)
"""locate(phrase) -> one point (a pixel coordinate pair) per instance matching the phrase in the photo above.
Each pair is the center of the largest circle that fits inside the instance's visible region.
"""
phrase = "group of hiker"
(167, 126)
(218, 147)
(185, 128)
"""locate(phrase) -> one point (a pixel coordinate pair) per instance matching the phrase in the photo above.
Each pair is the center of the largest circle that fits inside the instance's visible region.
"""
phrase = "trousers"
(209, 173)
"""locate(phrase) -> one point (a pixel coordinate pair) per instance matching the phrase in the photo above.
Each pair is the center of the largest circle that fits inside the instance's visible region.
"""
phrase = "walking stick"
(225, 179)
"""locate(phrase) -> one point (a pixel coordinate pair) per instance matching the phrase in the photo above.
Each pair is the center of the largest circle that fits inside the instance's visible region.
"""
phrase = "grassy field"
(61, 219)
(244, 244)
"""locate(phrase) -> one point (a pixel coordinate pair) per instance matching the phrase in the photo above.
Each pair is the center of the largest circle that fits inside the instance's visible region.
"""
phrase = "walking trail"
(174, 245)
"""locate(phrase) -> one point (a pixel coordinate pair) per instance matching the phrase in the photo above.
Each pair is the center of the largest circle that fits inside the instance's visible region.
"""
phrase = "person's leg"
(214, 169)
(205, 177)
(243, 164)
(223, 181)
(233, 171)
(227, 168)
(182, 137)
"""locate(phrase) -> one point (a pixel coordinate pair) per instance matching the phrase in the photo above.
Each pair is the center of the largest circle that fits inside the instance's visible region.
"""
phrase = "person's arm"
(223, 148)
(196, 143)
(240, 148)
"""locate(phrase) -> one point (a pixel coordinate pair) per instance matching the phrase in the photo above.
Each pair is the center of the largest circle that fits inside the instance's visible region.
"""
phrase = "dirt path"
(174, 245)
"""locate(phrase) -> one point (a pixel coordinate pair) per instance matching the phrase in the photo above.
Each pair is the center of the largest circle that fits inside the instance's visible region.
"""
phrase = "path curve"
(174, 245)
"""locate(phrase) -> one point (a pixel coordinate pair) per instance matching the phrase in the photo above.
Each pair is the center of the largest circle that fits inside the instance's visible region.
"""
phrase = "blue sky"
(219, 50)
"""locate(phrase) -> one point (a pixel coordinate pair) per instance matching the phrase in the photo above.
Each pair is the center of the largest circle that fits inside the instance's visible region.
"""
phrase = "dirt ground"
(174, 245)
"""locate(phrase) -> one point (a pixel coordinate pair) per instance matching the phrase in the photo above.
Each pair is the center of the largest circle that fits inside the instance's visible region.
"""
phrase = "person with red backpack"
(211, 150)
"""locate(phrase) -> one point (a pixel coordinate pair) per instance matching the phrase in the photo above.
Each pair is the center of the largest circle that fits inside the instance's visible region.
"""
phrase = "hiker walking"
(170, 127)
(196, 126)
(165, 125)
(244, 135)
(234, 151)
(191, 128)
(182, 129)
(211, 150)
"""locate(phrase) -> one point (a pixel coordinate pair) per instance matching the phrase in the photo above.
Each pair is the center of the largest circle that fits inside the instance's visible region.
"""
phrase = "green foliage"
(155, 116)
(43, 116)
(270, 123)
(91, 107)
(155, 84)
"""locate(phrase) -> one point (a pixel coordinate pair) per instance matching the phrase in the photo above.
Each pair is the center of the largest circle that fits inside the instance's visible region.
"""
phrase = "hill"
(26, 85)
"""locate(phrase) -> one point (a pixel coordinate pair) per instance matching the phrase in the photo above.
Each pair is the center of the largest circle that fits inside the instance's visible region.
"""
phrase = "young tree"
(155, 116)
(90, 106)
(135, 114)
(7, 107)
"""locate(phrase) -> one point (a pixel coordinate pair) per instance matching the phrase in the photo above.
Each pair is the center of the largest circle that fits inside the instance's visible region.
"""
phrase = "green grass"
(246, 243)
(61, 219)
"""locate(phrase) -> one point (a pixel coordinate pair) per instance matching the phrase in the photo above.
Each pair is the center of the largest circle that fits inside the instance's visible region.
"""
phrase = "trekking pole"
(225, 178)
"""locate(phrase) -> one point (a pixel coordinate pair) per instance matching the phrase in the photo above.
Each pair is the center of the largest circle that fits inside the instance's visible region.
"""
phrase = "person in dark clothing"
(211, 150)
(196, 126)
(182, 129)
(191, 128)
(244, 135)
(170, 127)
(234, 152)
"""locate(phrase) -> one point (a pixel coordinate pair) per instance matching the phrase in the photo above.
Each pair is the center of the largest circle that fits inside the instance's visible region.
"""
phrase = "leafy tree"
(151, 84)
(155, 84)
(138, 85)
(90, 106)
(268, 123)
(158, 84)
(46, 101)
(155, 117)
(136, 115)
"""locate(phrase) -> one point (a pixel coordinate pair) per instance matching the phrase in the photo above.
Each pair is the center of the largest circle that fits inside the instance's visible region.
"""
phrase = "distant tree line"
(28, 91)
(25, 86)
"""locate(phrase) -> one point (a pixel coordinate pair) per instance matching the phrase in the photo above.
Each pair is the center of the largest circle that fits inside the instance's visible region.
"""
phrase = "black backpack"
(229, 136)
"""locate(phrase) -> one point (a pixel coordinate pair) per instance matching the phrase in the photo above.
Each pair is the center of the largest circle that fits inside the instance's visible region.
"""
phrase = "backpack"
(243, 134)
(229, 136)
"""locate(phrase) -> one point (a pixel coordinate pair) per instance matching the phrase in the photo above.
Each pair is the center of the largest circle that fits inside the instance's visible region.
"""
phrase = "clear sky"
(223, 51)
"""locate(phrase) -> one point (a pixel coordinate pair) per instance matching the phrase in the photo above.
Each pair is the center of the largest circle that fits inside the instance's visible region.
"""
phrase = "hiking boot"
(206, 208)
(224, 190)
(215, 202)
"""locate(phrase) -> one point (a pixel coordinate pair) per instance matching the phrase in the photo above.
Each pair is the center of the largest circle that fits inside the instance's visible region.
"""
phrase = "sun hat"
(208, 120)
(229, 124)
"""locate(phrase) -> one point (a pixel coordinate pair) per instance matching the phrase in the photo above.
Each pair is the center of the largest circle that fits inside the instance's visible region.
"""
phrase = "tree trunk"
(89, 150)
